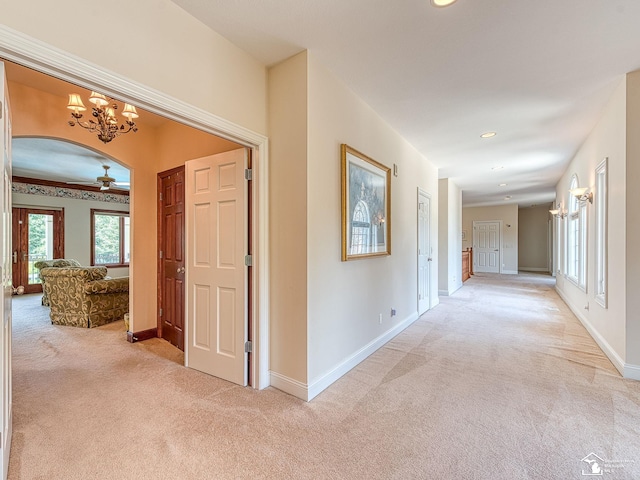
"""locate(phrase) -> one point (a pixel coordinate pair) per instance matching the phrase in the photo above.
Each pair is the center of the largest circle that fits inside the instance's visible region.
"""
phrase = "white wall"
(449, 237)
(345, 299)
(154, 43)
(77, 223)
(533, 238)
(509, 216)
(608, 139)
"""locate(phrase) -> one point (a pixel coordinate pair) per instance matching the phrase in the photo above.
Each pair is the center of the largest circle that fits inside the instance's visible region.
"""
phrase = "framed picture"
(366, 206)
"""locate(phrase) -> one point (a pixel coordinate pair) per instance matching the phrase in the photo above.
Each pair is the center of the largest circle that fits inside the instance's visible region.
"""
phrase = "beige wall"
(345, 299)
(288, 174)
(509, 216)
(608, 139)
(154, 43)
(533, 238)
(632, 222)
(77, 223)
(449, 237)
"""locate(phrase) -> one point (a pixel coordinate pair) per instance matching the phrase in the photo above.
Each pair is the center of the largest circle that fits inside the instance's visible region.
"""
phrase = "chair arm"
(112, 285)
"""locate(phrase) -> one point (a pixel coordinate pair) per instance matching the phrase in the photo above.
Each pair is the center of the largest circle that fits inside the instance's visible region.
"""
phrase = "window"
(110, 233)
(360, 229)
(576, 252)
(601, 195)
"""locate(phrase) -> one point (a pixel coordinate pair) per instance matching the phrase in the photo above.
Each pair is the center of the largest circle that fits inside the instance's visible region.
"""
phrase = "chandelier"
(104, 123)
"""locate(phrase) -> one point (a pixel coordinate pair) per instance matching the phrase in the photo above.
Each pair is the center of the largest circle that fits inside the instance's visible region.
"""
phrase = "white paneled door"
(216, 275)
(486, 247)
(424, 251)
(5, 275)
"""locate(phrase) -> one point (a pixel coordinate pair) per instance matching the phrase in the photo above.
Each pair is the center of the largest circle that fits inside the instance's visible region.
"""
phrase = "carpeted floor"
(500, 381)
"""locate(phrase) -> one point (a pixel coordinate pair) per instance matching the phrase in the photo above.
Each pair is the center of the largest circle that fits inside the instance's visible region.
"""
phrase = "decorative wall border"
(60, 192)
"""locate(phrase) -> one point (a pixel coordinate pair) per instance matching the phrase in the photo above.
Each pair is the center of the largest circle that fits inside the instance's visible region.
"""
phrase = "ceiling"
(537, 72)
(58, 160)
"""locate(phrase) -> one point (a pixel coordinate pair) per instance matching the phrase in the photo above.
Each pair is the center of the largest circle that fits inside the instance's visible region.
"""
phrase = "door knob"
(429, 259)
(180, 269)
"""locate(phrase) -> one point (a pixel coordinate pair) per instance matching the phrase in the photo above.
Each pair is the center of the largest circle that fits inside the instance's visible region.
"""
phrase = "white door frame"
(500, 252)
(35, 54)
(422, 193)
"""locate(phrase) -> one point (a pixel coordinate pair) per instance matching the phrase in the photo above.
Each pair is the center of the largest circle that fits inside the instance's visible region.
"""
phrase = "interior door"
(171, 269)
(5, 276)
(486, 247)
(217, 303)
(38, 234)
(424, 251)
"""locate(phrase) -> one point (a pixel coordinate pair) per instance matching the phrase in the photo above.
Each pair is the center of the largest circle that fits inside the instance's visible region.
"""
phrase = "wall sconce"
(582, 195)
(559, 211)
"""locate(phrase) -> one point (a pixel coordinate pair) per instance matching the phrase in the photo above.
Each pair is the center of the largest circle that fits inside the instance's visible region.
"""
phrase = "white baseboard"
(602, 343)
(533, 269)
(631, 371)
(308, 392)
(447, 293)
(289, 385)
(509, 272)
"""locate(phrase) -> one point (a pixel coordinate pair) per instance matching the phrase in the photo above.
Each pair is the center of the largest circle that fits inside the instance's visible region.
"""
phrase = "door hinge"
(248, 174)
(160, 253)
(248, 260)
(248, 347)
(160, 196)
(160, 312)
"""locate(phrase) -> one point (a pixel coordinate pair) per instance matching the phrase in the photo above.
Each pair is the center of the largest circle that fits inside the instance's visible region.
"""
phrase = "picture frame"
(366, 206)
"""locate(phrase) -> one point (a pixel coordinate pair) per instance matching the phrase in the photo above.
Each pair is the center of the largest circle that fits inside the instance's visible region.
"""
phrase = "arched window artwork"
(360, 229)
(576, 238)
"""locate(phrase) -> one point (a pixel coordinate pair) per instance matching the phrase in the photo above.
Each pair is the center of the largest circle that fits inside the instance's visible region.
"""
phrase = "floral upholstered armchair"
(57, 263)
(83, 297)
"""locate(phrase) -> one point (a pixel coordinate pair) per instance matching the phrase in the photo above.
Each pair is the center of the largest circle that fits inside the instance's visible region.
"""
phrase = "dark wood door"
(171, 268)
(38, 234)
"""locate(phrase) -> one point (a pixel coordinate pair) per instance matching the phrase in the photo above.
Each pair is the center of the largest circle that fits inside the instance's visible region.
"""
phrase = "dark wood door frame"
(20, 243)
(171, 261)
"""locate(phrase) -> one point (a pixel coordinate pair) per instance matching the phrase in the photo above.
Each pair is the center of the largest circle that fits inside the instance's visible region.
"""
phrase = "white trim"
(425, 194)
(533, 269)
(448, 293)
(631, 371)
(319, 384)
(509, 272)
(33, 53)
(613, 356)
(289, 385)
(309, 391)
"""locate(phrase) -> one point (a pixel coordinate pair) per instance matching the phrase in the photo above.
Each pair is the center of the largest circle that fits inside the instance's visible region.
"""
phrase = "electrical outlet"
(380, 320)
(393, 312)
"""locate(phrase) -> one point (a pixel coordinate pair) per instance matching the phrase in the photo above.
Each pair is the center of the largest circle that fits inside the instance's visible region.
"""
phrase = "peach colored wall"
(178, 143)
(145, 153)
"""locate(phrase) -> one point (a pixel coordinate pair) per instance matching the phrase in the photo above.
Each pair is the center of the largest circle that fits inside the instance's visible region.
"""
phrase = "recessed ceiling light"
(508, 197)
(488, 135)
(442, 3)
(502, 185)
(497, 168)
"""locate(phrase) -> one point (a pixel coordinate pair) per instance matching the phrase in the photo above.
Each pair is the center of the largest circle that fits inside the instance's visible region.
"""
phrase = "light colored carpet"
(500, 381)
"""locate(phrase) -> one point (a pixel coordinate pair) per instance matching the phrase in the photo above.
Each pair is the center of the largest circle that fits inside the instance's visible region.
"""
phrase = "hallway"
(500, 381)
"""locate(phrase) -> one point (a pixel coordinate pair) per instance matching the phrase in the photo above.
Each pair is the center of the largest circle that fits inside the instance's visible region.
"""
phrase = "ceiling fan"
(104, 181)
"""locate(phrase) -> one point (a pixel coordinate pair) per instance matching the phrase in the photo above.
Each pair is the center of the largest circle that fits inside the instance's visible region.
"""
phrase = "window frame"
(601, 234)
(576, 239)
(114, 213)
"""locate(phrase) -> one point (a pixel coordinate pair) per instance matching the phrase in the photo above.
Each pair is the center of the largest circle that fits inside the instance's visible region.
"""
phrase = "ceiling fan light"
(98, 99)
(104, 187)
